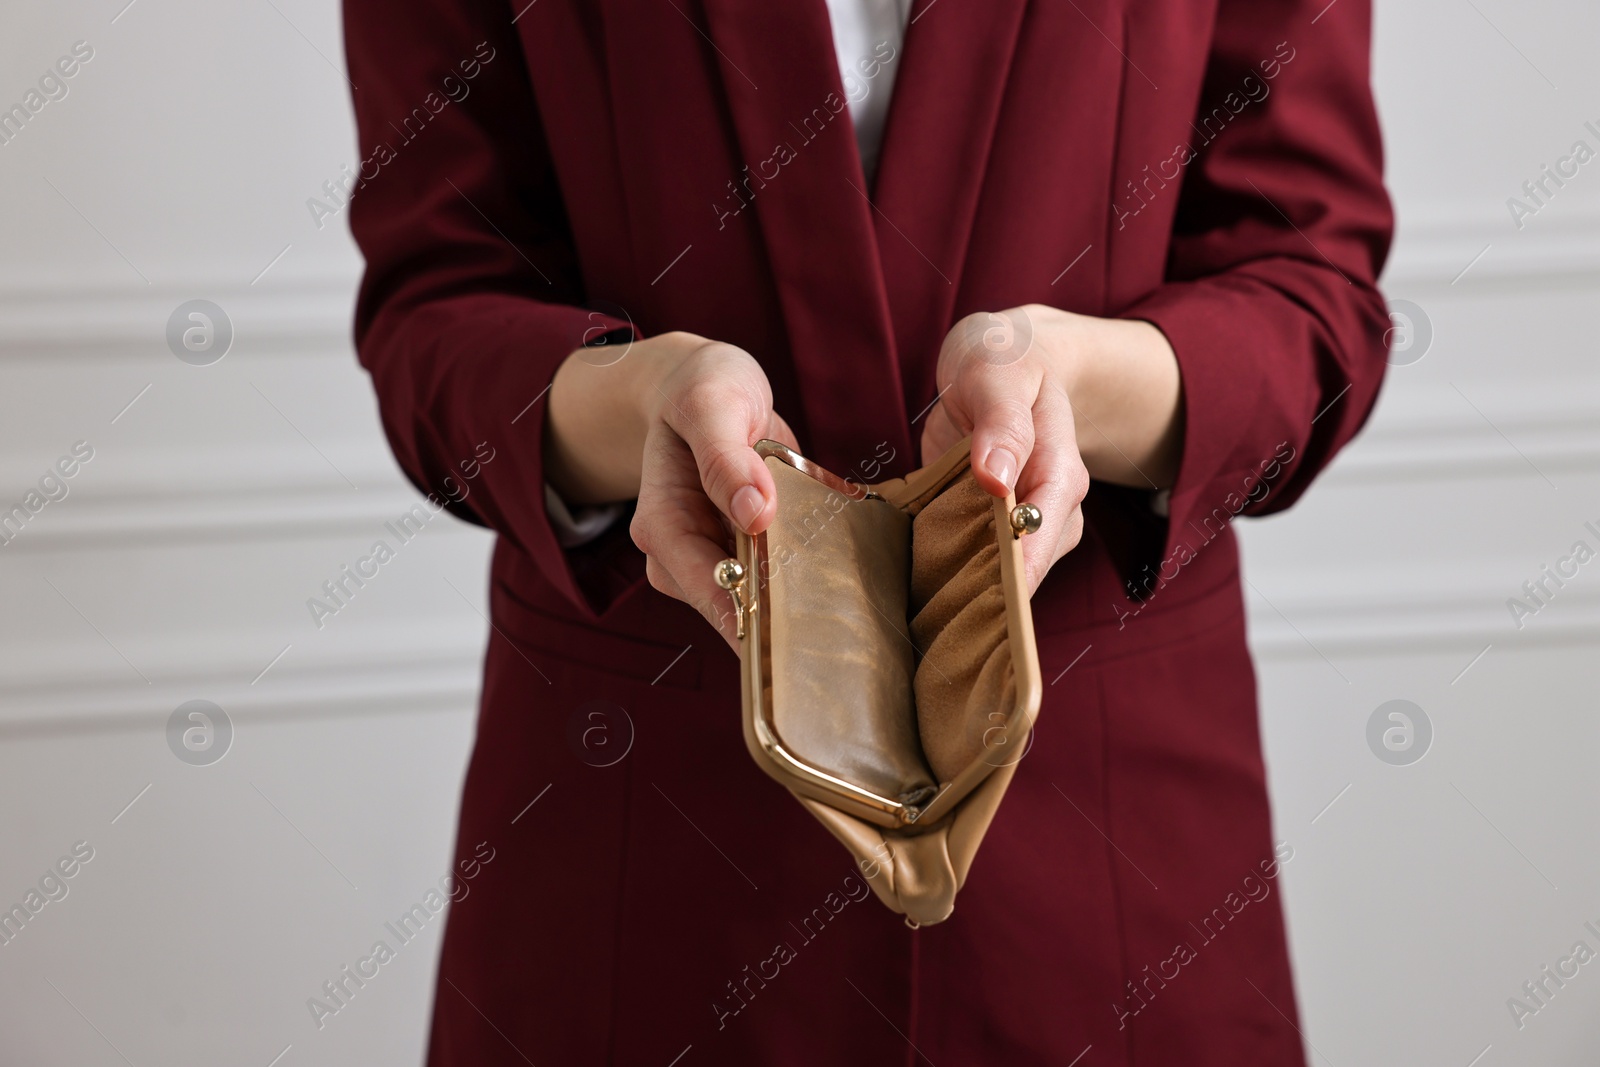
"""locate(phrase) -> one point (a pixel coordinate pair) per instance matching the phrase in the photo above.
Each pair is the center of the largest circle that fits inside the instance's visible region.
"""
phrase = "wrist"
(1074, 349)
(1123, 381)
(658, 361)
(596, 423)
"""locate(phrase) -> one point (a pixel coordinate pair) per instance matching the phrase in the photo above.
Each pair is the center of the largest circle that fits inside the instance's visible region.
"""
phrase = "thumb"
(998, 401)
(720, 421)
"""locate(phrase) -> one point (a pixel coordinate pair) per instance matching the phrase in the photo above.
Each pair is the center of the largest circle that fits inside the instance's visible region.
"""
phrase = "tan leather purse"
(890, 673)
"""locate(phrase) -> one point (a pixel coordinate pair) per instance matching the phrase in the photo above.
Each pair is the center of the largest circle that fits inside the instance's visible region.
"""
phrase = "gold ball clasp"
(1026, 519)
(729, 574)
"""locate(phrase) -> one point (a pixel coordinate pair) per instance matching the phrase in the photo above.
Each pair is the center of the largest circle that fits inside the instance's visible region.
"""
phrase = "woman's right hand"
(671, 423)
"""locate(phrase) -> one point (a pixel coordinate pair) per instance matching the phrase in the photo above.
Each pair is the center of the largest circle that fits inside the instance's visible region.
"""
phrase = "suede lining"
(963, 685)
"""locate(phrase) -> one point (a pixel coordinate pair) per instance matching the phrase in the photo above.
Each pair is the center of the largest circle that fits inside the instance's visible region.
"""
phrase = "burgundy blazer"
(536, 173)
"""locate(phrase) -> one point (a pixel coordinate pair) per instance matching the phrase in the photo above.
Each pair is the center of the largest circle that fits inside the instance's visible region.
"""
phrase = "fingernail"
(1002, 465)
(747, 504)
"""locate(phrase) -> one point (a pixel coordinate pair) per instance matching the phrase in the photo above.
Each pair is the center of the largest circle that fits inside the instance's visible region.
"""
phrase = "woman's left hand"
(1050, 399)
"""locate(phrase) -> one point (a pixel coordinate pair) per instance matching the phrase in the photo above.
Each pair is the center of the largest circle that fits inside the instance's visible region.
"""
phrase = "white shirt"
(868, 38)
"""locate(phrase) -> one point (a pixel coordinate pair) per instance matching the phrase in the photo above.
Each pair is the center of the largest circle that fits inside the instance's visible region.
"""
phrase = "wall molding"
(252, 508)
(283, 313)
(241, 494)
(1436, 252)
(1358, 615)
(1518, 434)
(63, 316)
(72, 707)
(427, 664)
(424, 666)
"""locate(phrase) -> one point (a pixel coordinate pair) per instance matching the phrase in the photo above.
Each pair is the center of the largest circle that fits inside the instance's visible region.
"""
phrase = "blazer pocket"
(574, 642)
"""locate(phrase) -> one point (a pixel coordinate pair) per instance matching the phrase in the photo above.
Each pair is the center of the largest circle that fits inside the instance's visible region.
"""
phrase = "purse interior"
(963, 686)
(889, 654)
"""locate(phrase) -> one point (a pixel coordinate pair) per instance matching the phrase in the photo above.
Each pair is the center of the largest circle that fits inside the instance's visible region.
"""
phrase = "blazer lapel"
(941, 124)
(802, 183)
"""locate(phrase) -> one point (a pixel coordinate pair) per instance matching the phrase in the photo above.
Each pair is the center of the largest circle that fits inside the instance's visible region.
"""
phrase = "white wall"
(1423, 899)
(212, 509)
(177, 568)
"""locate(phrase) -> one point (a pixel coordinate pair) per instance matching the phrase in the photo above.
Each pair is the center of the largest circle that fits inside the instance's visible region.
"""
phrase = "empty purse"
(890, 674)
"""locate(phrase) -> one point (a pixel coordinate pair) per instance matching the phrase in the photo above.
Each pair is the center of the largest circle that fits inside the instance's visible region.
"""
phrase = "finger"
(662, 580)
(997, 402)
(1055, 481)
(1039, 555)
(939, 433)
(682, 565)
(680, 532)
(719, 610)
(989, 381)
(720, 418)
(779, 431)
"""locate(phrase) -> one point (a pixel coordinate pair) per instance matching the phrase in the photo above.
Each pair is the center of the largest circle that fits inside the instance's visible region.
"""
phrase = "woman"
(612, 244)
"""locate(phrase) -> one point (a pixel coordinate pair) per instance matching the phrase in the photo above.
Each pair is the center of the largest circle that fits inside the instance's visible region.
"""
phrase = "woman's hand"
(671, 423)
(1052, 399)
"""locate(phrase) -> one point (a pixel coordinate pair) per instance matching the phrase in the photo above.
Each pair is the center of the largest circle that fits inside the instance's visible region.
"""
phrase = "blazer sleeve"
(472, 294)
(1271, 301)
